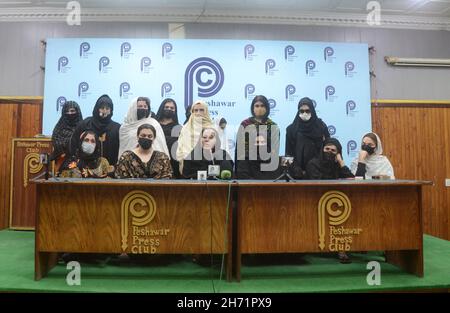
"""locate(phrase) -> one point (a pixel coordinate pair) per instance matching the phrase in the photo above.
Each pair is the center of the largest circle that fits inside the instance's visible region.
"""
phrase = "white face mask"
(87, 147)
(104, 114)
(305, 116)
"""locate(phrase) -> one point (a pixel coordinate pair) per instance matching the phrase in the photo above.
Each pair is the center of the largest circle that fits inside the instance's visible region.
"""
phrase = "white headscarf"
(128, 131)
(376, 163)
(222, 135)
(191, 131)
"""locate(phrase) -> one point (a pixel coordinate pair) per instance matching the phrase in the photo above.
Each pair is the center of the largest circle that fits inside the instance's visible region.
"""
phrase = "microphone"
(225, 174)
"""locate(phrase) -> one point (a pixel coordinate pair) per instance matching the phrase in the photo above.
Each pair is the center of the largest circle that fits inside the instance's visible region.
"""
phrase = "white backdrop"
(227, 74)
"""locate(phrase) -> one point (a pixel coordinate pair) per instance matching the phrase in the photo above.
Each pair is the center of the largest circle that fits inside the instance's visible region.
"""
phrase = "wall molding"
(399, 103)
(42, 14)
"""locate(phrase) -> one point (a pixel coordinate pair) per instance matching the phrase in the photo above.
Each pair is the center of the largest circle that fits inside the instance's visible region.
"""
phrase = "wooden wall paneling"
(416, 140)
(8, 116)
(20, 117)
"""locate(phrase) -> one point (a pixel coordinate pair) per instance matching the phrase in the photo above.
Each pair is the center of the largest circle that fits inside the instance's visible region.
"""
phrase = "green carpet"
(307, 273)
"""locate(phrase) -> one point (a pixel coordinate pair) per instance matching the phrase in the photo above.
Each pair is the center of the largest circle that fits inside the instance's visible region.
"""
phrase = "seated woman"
(143, 161)
(329, 164)
(371, 161)
(191, 132)
(207, 152)
(252, 168)
(87, 162)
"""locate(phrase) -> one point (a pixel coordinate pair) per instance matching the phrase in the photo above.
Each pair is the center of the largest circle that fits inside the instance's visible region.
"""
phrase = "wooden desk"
(76, 215)
(286, 217)
(131, 216)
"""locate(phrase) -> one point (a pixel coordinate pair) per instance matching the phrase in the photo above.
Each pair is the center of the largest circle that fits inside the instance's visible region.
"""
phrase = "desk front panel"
(302, 218)
(133, 219)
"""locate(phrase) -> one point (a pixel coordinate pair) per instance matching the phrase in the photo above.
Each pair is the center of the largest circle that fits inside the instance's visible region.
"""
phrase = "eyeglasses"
(305, 111)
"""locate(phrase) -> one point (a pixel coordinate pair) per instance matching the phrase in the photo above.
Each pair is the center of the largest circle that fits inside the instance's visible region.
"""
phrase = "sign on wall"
(227, 74)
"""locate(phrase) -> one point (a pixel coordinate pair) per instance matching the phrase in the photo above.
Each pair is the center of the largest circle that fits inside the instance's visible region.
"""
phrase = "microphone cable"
(211, 237)
(225, 239)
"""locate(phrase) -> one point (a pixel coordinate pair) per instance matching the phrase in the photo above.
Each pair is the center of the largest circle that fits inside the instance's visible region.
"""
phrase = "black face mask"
(71, 117)
(368, 148)
(168, 114)
(145, 143)
(328, 156)
(142, 113)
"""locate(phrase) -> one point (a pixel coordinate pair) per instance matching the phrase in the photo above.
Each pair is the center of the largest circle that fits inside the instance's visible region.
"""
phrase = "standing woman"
(70, 117)
(191, 132)
(221, 125)
(258, 124)
(139, 114)
(305, 137)
(167, 117)
(371, 161)
(188, 113)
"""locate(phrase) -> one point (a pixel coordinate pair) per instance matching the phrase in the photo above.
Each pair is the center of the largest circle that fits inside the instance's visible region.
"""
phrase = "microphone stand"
(285, 176)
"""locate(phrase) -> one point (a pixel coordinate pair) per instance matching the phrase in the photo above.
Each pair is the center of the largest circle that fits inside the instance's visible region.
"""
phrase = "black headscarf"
(329, 169)
(106, 128)
(313, 128)
(88, 160)
(64, 129)
(99, 124)
(333, 141)
(304, 139)
(160, 115)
